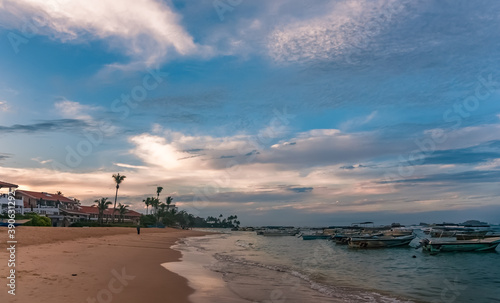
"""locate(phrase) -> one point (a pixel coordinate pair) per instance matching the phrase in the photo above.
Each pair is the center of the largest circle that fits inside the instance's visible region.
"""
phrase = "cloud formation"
(345, 28)
(62, 125)
(146, 30)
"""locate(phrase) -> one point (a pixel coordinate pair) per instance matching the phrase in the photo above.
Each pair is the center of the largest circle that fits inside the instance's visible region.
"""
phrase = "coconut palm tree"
(154, 204)
(122, 210)
(169, 201)
(102, 205)
(148, 203)
(158, 192)
(118, 180)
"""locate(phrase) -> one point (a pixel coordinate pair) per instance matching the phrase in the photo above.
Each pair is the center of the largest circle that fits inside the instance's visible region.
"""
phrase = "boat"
(476, 235)
(380, 241)
(319, 236)
(435, 246)
(398, 232)
(343, 238)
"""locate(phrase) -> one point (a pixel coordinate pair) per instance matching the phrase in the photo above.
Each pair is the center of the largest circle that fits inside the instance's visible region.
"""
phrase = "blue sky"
(318, 113)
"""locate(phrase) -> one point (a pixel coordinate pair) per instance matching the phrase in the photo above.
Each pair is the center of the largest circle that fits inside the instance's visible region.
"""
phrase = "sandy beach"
(94, 265)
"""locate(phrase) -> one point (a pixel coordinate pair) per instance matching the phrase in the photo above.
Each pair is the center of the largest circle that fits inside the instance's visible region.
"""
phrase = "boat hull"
(315, 237)
(380, 242)
(489, 244)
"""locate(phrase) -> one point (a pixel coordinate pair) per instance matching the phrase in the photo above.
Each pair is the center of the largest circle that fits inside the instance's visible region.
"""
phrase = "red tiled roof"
(94, 210)
(5, 184)
(45, 196)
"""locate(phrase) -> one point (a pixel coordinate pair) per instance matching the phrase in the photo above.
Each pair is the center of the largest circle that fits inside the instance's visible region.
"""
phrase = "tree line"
(162, 213)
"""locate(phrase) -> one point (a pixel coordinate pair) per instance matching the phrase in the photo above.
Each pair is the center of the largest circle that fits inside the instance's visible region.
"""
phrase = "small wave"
(344, 293)
(244, 244)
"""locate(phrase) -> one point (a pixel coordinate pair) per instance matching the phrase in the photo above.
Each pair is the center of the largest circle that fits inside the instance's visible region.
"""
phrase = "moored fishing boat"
(319, 236)
(380, 241)
(476, 235)
(435, 246)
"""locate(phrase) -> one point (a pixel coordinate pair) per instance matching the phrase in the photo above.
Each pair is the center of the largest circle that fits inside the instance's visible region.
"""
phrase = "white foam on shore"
(337, 293)
(208, 285)
(220, 277)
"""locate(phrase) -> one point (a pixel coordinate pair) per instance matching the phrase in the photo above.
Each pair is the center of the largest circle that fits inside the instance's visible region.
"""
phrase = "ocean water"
(245, 267)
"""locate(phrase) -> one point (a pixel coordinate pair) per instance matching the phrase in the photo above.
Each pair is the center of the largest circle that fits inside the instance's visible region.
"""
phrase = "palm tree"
(118, 180)
(158, 191)
(169, 201)
(154, 204)
(148, 203)
(122, 209)
(102, 205)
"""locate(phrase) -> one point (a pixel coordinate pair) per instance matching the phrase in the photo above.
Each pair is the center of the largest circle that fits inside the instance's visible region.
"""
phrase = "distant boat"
(380, 241)
(435, 246)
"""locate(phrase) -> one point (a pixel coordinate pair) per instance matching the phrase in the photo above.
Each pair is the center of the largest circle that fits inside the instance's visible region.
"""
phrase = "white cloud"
(4, 106)
(39, 160)
(92, 115)
(75, 110)
(124, 165)
(356, 122)
(146, 30)
(346, 27)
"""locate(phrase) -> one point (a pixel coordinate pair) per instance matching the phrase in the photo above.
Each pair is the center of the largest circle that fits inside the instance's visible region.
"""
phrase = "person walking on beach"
(138, 228)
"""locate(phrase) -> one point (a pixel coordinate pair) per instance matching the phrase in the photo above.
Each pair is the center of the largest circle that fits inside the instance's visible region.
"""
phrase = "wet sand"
(94, 265)
(234, 283)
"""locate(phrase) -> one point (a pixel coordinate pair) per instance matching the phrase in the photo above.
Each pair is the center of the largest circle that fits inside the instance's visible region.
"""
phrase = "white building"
(4, 198)
(47, 204)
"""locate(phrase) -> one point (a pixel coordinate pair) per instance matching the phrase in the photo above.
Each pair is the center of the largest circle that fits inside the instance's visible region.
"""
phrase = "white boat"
(435, 246)
(380, 241)
(398, 232)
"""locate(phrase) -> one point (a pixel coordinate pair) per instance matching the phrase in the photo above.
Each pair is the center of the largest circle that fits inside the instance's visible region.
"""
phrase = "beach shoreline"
(216, 269)
(94, 265)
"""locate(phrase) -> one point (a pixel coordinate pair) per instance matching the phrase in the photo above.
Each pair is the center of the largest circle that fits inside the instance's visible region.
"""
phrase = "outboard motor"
(423, 242)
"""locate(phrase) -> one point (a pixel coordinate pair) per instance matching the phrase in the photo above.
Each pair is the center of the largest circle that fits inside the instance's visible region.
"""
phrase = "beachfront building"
(49, 205)
(91, 213)
(129, 217)
(7, 188)
(61, 210)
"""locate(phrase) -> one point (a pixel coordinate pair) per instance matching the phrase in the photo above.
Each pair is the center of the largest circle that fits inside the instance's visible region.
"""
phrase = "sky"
(282, 112)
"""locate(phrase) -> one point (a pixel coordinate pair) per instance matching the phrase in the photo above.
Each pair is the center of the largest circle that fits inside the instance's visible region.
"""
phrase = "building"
(62, 211)
(46, 204)
(93, 213)
(4, 198)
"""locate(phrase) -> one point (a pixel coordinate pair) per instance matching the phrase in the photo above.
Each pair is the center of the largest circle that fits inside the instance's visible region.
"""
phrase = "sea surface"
(244, 267)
